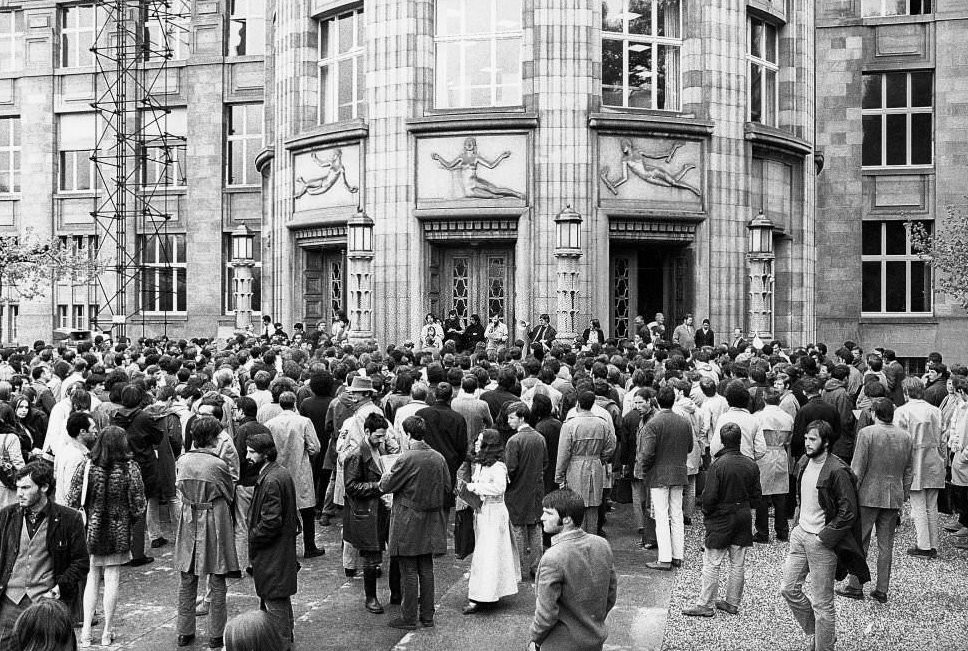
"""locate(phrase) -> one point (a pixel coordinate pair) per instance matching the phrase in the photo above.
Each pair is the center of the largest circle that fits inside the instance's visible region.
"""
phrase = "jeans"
(810, 558)
(924, 512)
(243, 501)
(712, 560)
(280, 614)
(528, 536)
(780, 524)
(642, 510)
(669, 529)
(187, 593)
(689, 497)
(9, 612)
(417, 583)
(153, 523)
(886, 522)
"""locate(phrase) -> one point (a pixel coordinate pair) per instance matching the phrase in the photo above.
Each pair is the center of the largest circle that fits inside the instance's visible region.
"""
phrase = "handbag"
(464, 533)
(8, 471)
(87, 476)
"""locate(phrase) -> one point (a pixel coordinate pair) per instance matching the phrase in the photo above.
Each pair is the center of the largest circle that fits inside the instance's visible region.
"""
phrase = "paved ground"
(329, 607)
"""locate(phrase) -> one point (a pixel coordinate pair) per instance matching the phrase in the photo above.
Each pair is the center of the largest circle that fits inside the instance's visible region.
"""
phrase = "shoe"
(350, 573)
(427, 623)
(395, 600)
(783, 538)
(85, 642)
(234, 574)
(107, 638)
(402, 624)
(659, 565)
(202, 609)
(138, 562)
(699, 611)
(927, 553)
(953, 526)
(324, 521)
(471, 608)
(763, 539)
(877, 595)
(648, 545)
(676, 562)
(216, 642)
(314, 552)
(727, 607)
(850, 593)
(185, 640)
(960, 544)
(159, 542)
(374, 606)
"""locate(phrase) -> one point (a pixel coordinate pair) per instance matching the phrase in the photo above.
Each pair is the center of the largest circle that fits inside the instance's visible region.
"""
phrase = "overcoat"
(420, 483)
(115, 500)
(204, 535)
(144, 434)
(922, 420)
(777, 427)
(366, 519)
(526, 457)
(732, 488)
(273, 527)
(585, 445)
(296, 440)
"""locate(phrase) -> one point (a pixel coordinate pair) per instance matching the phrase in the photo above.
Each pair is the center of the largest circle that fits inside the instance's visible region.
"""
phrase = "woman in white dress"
(494, 567)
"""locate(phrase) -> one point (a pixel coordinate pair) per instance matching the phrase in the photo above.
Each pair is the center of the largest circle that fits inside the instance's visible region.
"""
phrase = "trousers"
(417, 585)
(670, 530)
(712, 562)
(528, 536)
(886, 522)
(187, 593)
(243, 500)
(153, 522)
(780, 524)
(9, 612)
(280, 614)
(924, 512)
(810, 558)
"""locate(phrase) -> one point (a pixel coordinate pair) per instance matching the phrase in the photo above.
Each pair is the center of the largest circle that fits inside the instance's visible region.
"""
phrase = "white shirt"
(71, 455)
(811, 515)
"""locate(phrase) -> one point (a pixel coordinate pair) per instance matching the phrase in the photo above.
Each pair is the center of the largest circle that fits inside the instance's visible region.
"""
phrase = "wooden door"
(323, 285)
(478, 281)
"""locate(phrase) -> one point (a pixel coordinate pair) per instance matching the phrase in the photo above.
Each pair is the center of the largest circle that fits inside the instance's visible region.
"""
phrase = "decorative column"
(242, 264)
(359, 275)
(567, 254)
(760, 258)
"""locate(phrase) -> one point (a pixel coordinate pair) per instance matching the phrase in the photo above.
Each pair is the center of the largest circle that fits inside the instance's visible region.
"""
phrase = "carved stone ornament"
(331, 171)
(653, 168)
(466, 165)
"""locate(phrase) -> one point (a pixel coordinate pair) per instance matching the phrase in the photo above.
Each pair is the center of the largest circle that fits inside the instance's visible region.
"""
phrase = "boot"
(369, 589)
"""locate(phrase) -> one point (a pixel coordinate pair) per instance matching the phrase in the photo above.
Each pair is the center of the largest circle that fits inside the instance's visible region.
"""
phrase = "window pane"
(612, 72)
(477, 69)
(921, 89)
(895, 286)
(871, 238)
(667, 79)
(756, 93)
(237, 164)
(771, 43)
(611, 15)
(344, 86)
(166, 288)
(148, 290)
(756, 38)
(872, 140)
(178, 247)
(896, 238)
(181, 290)
(448, 75)
(667, 19)
(640, 17)
(508, 72)
(769, 98)
(920, 287)
(871, 287)
(448, 18)
(345, 29)
(640, 75)
(897, 139)
(896, 84)
(921, 137)
(509, 15)
(872, 92)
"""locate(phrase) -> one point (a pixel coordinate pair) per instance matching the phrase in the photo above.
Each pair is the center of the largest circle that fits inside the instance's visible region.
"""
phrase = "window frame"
(440, 91)
(15, 36)
(12, 152)
(654, 41)
(884, 4)
(907, 110)
(328, 105)
(763, 66)
(177, 267)
(907, 257)
(241, 11)
(178, 21)
(76, 49)
(69, 159)
(243, 139)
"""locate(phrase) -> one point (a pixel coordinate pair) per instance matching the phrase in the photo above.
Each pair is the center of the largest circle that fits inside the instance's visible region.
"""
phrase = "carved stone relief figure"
(334, 171)
(639, 162)
(472, 185)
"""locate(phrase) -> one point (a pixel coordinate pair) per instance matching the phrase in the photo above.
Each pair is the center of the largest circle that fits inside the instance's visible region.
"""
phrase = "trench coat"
(295, 439)
(777, 426)
(526, 457)
(420, 483)
(204, 535)
(366, 519)
(273, 527)
(586, 443)
(922, 420)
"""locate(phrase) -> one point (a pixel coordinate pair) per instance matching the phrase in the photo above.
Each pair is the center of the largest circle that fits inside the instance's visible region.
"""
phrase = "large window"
(9, 155)
(478, 53)
(641, 40)
(895, 7)
(763, 99)
(75, 144)
(77, 32)
(168, 30)
(244, 135)
(11, 40)
(898, 115)
(162, 285)
(247, 27)
(342, 71)
(166, 150)
(228, 293)
(895, 279)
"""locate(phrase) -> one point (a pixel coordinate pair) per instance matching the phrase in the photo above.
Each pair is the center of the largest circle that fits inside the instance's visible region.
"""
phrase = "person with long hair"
(10, 449)
(251, 631)
(32, 420)
(113, 502)
(494, 566)
(45, 626)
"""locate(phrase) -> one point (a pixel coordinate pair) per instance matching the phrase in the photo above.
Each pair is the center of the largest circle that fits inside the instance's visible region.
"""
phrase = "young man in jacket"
(273, 525)
(825, 544)
(732, 488)
(43, 553)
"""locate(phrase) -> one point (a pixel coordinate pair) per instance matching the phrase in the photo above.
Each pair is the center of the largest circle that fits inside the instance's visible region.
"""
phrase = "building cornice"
(453, 122)
(670, 125)
(347, 131)
(777, 139)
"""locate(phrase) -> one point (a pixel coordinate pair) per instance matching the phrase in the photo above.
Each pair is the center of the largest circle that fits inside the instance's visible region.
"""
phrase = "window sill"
(651, 122)
(245, 58)
(75, 194)
(919, 318)
(776, 138)
(158, 316)
(344, 131)
(11, 196)
(900, 170)
(483, 120)
(242, 189)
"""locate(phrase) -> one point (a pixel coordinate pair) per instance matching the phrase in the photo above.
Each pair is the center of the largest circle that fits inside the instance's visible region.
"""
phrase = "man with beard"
(273, 527)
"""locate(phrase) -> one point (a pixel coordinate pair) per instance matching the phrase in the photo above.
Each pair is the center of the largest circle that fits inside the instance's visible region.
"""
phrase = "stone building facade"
(469, 135)
(891, 106)
(180, 277)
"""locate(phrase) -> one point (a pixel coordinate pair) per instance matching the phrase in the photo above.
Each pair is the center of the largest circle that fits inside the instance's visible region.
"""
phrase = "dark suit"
(446, 433)
(815, 409)
(707, 338)
(544, 335)
(739, 343)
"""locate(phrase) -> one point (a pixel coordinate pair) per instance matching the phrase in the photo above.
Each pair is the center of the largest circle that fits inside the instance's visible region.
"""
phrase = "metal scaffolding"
(136, 157)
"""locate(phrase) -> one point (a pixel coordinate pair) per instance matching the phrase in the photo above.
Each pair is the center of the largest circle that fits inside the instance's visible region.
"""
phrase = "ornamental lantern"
(360, 234)
(568, 232)
(242, 243)
(760, 235)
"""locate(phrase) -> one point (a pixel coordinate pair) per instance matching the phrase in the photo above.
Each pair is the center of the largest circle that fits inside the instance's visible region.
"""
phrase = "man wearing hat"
(273, 527)
(296, 440)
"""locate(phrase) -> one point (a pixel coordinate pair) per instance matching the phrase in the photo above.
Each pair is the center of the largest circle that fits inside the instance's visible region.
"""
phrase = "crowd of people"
(234, 449)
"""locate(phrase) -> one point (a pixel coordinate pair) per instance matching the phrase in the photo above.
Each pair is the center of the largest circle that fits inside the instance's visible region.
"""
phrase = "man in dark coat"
(825, 545)
(815, 408)
(704, 336)
(936, 384)
(446, 433)
(895, 378)
(497, 398)
(732, 488)
(526, 457)
(420, 483)
(273, 527)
